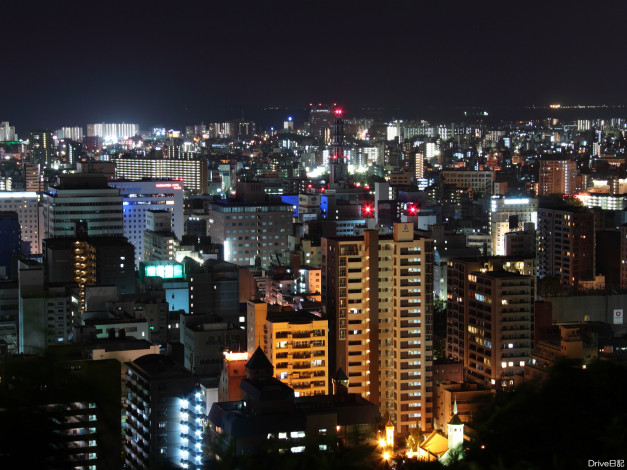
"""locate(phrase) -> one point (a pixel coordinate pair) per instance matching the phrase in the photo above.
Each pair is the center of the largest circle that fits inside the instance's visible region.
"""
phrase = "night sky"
(178, 63)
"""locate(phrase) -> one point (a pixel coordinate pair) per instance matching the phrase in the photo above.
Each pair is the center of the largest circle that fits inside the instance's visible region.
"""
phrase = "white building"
(112, 132)
(26, 205)
(509, 214)
(139, 197)
(72, 133)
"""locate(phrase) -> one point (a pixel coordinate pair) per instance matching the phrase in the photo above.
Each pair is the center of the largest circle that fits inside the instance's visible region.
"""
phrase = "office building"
(204, 339)
(82, 201)
(192, 174)
(26, 205)
(139, 197)
(566, 244)
(252, 229)
(479, 181)
(213, 289)
(45, 313)
(296, 342)
(510, 214)
(379, 296)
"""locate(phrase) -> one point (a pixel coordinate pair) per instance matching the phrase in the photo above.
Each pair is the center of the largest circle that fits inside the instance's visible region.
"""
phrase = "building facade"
(379, 296)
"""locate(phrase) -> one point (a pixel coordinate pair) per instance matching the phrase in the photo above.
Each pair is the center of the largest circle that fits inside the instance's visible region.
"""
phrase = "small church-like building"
(447, 448)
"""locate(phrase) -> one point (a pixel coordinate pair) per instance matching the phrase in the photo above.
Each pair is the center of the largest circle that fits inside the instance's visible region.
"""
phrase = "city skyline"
(153, 63)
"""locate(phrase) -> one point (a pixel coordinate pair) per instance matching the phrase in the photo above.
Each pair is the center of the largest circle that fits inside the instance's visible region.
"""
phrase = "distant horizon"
(268, 116)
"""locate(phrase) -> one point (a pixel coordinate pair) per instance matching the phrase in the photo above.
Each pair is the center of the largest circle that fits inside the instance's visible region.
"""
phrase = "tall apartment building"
(499, 324)
(295, 342)
(192, 174)
(566, 244)
(139, 197)
(557, 177)
(112, 132)
(379, 296)
(74, 133)
(458, 300)
(26, 205)
(83, 198)
(164, 411)
(41, 146)
(510, 214)
(251, 228)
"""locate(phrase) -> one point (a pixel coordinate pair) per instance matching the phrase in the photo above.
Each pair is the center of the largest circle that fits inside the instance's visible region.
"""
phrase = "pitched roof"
(259, 361)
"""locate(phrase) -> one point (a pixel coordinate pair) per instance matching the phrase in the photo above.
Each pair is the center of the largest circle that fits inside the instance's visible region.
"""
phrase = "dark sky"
(176, 63)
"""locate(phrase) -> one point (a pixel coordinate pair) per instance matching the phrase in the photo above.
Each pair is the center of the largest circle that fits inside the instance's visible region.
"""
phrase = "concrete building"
(509, 214)
(252, 229)
(479, 181)
(191, 173)
(86, 199)
(297, 342)
(45, 313)
(499, 322)
(379, 296)
(139, 197)
(566, 244)
(165, 407)
(557, 177)
(204, 339)
(270, 409)
(26, 205)
(213, 289)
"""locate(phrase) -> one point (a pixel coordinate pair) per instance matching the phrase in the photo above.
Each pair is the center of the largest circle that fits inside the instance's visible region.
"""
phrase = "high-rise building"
(159, 241)
(112, 132)
(379, 296)
(34, 178)
(165, 408)
(338, 163)
(510, 214)
(139, 197)
(26, 205)
(70, 133)
(499, 324)
(41, 145)
(296, 342)
(7, 132)
(251, 228)
(557, 177)
(11, 242)
(82, 199)
(45, 313)
(566, 244)
(192, 174)
(213, 289)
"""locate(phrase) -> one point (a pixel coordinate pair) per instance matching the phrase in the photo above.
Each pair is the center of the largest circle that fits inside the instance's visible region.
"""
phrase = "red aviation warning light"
(412, 210)
(338, 112)
(367, 210)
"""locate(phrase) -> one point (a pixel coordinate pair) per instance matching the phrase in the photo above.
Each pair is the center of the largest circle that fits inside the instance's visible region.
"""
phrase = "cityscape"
(263, 236)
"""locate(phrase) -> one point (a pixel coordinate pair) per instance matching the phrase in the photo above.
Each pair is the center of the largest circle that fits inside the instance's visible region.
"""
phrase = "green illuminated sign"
(164, 271)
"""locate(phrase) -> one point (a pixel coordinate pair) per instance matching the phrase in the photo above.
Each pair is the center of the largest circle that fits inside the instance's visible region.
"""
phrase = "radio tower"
(338, 165)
